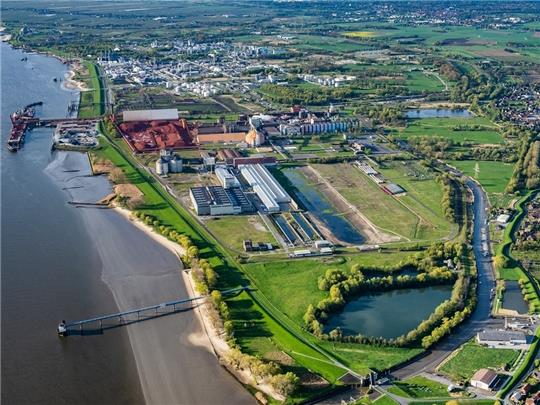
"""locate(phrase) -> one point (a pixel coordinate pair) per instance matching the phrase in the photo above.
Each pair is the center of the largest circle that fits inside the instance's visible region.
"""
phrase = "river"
(60, 262)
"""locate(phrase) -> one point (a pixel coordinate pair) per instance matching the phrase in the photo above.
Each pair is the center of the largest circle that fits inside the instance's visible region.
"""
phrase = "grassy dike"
(92, 101)
(514, 271)
(252, 308)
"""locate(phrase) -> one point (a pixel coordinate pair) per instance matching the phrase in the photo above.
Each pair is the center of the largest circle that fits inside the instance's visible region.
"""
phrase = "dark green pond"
(389, 314)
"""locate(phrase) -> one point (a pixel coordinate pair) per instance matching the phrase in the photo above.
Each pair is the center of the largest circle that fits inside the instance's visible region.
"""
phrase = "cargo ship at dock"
(21, 121)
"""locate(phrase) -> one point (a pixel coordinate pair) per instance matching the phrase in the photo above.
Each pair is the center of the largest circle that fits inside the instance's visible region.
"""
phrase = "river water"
(60, 262)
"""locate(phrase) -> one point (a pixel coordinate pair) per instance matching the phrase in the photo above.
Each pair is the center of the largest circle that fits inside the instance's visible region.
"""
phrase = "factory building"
(255, 138)
(226, 178)
(228, 155)
(208, 161)
(265, 186)
(162, 167)
(151, 115)
(168, 162)
(215, 200)
(315, 127)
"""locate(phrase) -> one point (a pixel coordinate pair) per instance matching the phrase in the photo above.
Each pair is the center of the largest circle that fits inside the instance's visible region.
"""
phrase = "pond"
(513, 298)
(439, 113)
(389, 314)
(320, 207)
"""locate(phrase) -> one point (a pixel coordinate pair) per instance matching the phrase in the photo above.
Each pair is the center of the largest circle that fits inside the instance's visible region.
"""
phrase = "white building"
(168, 162)
(226, 178)
(484, 379)
(266, 186)
(162, 166)
(151, 115)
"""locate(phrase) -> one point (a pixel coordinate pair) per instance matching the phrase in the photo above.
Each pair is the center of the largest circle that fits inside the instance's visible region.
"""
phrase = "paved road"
(481, 317)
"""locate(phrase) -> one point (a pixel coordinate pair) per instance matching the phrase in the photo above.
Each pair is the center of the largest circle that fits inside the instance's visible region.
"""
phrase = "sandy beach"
(174, 357)
(69, 78)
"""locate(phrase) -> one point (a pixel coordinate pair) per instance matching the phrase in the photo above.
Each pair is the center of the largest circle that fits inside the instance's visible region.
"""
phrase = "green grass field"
(231, 231)
(471, 357)
(444, 128)
(419, 82)
(414, 216)
(419, 387)
(292, 285)
(493, 176)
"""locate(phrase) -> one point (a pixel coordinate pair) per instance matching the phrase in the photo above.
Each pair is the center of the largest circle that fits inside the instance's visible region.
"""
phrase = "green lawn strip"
(371, 201)
(362, 356)
(417, 215)
(382, 400)
(493, 176)
(169, 212)
(419, 387)
(420, 82)
(424, 199)
(459, 401)
(385, 400)
(91, 101)
(471, 357)
(444, 127)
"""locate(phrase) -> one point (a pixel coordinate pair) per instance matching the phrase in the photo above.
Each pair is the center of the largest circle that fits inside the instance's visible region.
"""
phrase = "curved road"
(481, 317)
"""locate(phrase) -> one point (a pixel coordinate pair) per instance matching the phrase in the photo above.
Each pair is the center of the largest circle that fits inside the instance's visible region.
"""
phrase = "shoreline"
(69, 82)
(140, 268)
(211, 338)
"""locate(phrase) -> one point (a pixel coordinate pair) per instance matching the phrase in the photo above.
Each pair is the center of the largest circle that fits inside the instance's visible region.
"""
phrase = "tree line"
(205, 280)
(433, 267)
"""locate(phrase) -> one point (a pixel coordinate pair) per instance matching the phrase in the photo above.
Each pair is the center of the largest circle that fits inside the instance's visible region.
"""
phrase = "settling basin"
(439, 113)
(389, 314)
(513, 298)
(320, 207)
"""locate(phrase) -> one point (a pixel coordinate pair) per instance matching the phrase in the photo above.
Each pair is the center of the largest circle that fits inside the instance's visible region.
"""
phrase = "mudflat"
(173, 355)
